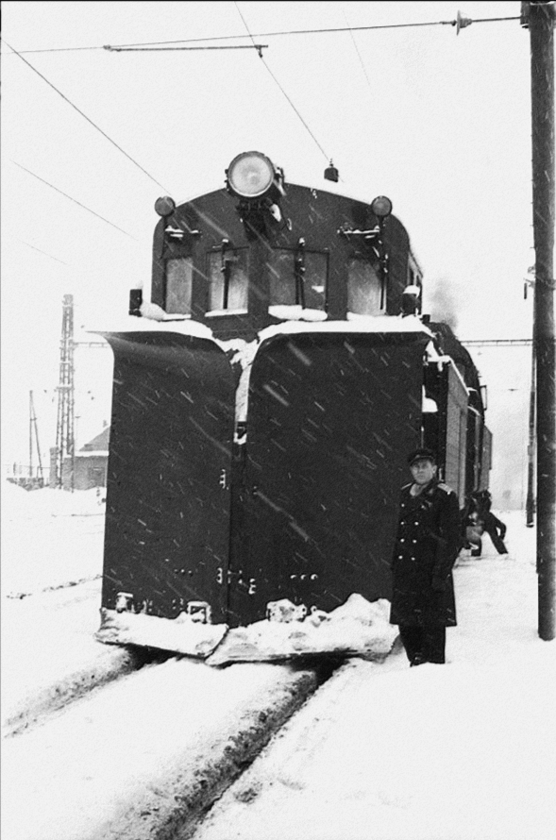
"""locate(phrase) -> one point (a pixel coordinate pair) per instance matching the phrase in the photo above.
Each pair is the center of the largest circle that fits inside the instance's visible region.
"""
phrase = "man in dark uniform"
(494, 527)
(427, 545)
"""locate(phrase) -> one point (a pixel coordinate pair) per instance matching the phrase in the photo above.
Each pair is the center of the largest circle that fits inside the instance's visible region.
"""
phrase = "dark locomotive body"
(260, 426)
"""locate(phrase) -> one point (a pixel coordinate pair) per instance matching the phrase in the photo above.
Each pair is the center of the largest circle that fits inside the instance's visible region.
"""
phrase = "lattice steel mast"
(65, 440)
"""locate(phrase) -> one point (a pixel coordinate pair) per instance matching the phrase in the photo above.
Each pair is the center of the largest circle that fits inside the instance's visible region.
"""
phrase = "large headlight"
(251, 175)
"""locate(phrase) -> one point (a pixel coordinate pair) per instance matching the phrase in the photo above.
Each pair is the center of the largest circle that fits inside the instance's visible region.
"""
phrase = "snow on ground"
(381, 752)
(77, 775)
(50, 538)
(108, 765)
(455, 752)
(51, 577)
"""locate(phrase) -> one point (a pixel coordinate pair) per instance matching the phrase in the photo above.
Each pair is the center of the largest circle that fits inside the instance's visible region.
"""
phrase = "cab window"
(298, 279)
(227, 278)
(365, 291)
(179, 276)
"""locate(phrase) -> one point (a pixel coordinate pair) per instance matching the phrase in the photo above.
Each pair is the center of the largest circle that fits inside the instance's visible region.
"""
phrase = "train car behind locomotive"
(264, 400)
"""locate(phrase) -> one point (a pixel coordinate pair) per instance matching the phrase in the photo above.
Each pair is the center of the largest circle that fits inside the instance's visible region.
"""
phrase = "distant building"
(90, 464)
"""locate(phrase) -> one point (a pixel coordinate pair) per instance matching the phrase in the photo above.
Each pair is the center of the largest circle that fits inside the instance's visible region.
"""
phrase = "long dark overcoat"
(427, 545)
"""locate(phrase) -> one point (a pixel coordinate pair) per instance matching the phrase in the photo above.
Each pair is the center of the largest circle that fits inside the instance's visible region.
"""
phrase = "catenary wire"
(75, 201)
(89, 120)
(295, 109)
(46, 254)
(281, 34)
(280, 86)
(359, 56)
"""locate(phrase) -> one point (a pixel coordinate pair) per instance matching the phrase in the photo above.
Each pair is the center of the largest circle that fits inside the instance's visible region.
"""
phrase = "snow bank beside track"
(50, 539)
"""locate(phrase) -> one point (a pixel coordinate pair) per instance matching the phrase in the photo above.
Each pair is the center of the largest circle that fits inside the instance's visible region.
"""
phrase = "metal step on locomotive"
(264, 399)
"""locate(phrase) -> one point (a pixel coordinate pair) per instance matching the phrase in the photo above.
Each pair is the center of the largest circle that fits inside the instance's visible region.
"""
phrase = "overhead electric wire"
(295, 109)
(58, 49)
(75, 201)
(41, 252)
(359, 56)
(331, 30)
(282, 34)
(89, 120)
(280, 86)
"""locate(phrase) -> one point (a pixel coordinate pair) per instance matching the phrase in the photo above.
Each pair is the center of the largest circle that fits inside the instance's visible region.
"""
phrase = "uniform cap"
(419, 454)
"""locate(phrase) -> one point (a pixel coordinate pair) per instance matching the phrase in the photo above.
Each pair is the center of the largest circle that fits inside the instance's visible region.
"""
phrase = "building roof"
(99, 444)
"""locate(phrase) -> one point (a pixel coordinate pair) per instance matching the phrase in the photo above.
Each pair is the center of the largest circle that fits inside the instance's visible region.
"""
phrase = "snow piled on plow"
(356, 628)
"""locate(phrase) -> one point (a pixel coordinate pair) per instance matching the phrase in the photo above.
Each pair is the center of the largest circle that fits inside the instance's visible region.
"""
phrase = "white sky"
(440, 123)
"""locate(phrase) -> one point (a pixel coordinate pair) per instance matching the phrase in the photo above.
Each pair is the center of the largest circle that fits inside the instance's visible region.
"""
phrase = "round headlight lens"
(251, 174)
(165, 206)
(381, 206)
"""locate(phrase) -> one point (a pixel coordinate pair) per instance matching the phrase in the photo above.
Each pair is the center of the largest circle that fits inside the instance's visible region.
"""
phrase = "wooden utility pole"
(538, 17)
(33, 428)
(530, 504)
(30, 437)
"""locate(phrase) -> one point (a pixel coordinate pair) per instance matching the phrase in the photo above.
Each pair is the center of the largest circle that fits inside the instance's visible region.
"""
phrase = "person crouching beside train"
(427, 544)
(493, 526)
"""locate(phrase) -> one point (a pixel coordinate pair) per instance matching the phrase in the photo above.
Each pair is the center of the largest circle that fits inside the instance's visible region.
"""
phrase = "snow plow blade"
(179, 636)
(356, 628)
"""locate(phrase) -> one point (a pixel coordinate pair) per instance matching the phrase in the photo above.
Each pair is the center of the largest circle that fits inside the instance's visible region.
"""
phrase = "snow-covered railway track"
(147, 754)
(37, 706)
(259, 803)
(51, 657)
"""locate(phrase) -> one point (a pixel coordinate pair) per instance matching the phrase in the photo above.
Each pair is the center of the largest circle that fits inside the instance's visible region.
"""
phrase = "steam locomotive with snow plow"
(266, 393)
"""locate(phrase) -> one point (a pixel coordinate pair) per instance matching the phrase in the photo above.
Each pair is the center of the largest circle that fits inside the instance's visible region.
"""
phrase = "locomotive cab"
(242, 258)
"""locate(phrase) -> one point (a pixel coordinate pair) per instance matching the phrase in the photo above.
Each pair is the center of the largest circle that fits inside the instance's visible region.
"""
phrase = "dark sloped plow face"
(331, 417)
(168, 493)
(225, 557)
